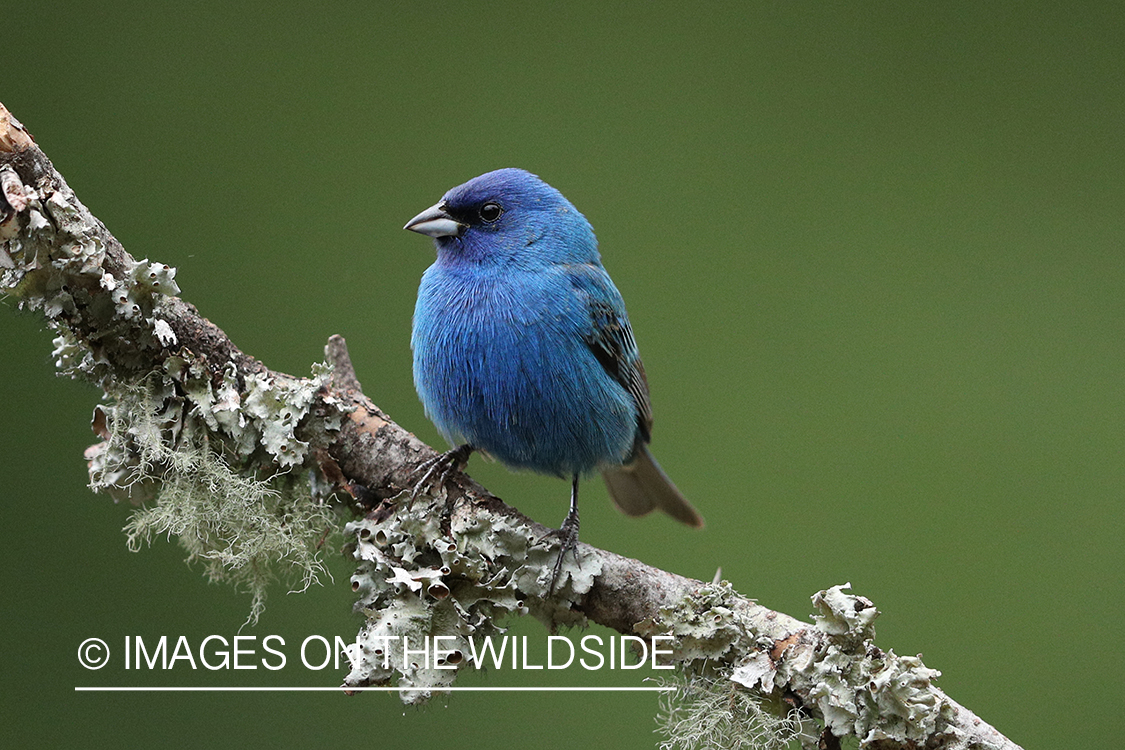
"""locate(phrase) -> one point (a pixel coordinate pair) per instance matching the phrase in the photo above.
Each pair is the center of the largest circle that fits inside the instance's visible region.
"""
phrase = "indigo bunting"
(523, 350)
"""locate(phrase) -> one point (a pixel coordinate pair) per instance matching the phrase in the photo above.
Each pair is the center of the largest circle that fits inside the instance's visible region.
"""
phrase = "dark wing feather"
(611, 340)
(639, 485)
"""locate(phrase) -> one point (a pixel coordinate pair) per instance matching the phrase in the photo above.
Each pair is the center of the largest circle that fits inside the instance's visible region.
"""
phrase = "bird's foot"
(567, 535)
(439, 468)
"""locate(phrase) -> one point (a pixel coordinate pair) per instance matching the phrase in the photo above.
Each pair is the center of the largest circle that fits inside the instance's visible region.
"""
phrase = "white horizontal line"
(438, 689)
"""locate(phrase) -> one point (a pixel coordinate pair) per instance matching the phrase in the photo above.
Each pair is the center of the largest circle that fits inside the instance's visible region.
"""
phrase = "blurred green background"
(872, 254)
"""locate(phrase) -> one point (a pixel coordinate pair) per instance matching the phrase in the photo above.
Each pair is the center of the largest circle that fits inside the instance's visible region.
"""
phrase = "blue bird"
(523, 350)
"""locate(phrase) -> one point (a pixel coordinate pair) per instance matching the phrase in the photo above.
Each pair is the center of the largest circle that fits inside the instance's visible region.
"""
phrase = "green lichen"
(859, 689)
(845, 617)
(416, 582)
(724, 699)
(52, 258)
(243, 530)
(222, 460)
(703, 625)
(706, 712)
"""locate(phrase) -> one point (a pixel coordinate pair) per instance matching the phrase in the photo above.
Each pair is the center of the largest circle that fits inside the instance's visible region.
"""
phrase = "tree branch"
(217, 448)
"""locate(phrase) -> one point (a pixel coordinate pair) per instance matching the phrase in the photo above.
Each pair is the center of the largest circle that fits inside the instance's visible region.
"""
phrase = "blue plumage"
(522, 346)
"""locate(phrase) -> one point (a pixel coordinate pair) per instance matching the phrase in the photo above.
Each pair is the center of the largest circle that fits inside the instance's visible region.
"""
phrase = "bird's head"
(507, 217)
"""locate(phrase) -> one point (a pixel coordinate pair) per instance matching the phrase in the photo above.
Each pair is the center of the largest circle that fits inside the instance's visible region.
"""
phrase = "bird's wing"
(610, 337)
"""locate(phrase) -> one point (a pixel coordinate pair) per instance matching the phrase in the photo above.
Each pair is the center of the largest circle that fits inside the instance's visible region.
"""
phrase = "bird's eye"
(490, 212)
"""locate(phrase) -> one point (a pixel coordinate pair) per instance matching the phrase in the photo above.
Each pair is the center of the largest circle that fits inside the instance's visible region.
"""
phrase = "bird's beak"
(435, 222)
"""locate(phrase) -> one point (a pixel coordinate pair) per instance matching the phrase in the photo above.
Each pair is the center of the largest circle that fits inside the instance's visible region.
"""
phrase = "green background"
(872, 254)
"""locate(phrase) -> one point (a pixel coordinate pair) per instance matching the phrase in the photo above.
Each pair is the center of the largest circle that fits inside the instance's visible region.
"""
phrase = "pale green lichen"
(223, 460)
(706, 712)
(418, 584)
(845, 616)
(243, 530)
(132, 298)
(48, 255)
(703, 625)
(276, 409)
(718, 703)
(859, 689)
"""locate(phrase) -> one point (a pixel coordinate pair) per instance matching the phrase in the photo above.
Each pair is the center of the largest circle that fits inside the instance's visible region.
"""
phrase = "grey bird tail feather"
(640, 486)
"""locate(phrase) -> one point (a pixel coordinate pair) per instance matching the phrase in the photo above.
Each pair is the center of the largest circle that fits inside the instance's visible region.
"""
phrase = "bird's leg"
(439, 467)
(567, 534)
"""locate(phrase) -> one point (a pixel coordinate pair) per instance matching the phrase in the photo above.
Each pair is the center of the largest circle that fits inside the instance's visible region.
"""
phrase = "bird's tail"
(641, 485)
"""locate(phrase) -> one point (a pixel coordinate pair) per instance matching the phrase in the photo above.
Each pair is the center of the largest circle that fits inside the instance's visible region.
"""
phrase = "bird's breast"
(503, 363)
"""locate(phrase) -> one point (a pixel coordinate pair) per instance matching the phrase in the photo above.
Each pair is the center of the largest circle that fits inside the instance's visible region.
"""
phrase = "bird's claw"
(567, 534)
(440, 467)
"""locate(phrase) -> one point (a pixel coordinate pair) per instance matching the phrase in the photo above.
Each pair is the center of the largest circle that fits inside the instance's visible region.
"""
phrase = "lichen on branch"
(217, 451)
(248, 467)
